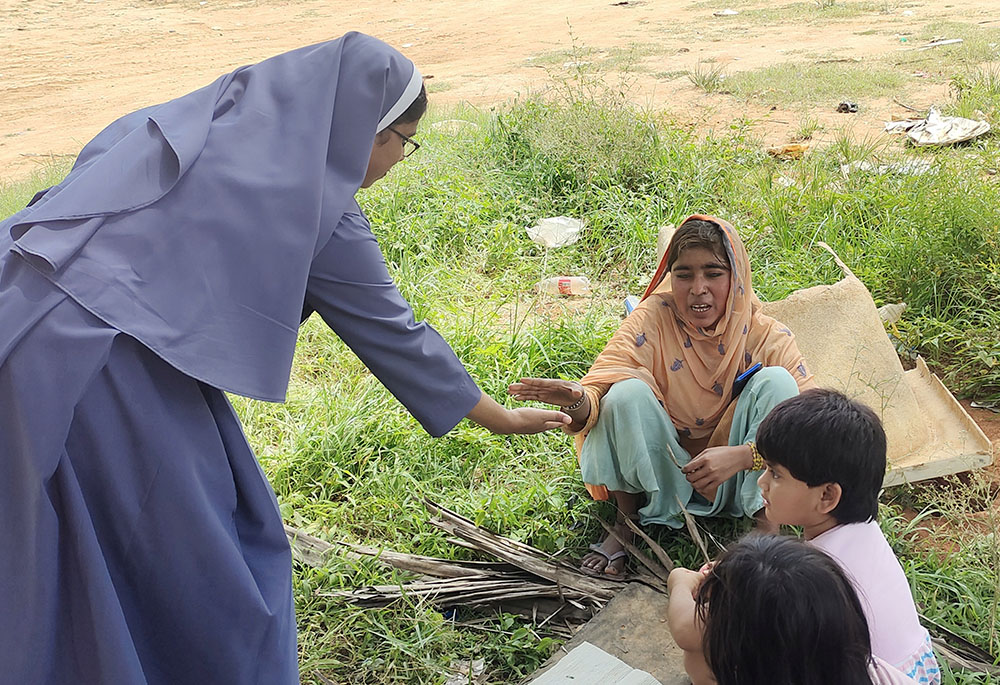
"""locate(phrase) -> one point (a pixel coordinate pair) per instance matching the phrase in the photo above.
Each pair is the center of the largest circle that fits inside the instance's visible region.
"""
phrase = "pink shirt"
(863, 552)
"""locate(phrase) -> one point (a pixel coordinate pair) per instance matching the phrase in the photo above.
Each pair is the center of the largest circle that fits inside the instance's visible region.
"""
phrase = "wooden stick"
(654, 568)
(660, 553)
(693, 530)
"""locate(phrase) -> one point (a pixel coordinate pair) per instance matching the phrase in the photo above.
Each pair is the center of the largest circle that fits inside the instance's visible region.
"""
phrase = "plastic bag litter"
(556, 231)
(891, 313)
(913, 167)
(937, 129)
(725, 13)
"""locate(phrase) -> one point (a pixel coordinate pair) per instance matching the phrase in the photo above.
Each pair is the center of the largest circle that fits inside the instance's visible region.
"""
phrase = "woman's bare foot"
(609, 557)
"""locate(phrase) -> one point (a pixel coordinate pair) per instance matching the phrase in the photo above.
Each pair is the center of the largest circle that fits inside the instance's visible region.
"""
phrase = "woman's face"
(700, 281)
(387, 151)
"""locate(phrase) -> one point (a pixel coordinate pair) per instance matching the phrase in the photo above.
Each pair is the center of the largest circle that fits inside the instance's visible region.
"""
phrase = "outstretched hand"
(528, 420)
(549, 390)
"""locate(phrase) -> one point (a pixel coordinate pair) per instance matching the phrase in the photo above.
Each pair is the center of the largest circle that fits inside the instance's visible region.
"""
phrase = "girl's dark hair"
(778, 611)
(822, 436)
(416, 109)
(695, 233)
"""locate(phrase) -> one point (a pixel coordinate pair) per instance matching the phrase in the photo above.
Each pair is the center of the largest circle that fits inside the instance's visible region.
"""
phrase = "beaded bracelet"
(758, 461)
(576, 405)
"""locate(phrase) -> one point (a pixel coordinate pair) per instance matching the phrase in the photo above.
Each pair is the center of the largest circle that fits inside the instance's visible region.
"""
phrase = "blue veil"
(191, 225)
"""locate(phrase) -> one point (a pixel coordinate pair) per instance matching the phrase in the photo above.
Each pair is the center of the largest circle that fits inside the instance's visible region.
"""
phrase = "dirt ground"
(69, 67)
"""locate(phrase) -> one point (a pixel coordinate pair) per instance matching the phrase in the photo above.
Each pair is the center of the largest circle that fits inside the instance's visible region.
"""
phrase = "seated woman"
(659, 420)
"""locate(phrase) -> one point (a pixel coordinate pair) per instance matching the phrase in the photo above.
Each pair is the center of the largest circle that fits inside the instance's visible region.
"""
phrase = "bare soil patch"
(69, 67)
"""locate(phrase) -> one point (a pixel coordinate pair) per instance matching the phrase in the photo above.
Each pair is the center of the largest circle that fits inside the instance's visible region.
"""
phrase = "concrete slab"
(632, 628)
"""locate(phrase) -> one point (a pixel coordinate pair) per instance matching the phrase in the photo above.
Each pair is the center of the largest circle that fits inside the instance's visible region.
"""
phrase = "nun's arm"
(350, 287)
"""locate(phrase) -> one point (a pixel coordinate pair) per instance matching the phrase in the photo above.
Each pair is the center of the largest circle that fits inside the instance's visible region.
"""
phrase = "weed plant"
(348, 463)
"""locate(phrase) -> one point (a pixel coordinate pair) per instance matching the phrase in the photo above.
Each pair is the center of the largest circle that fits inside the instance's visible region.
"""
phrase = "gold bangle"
(757, 462)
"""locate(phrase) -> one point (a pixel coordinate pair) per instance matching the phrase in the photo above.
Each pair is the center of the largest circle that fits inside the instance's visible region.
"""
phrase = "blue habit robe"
(141, 542)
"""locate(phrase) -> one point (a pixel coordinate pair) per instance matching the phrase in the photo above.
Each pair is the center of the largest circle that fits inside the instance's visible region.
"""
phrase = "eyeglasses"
(409, 144)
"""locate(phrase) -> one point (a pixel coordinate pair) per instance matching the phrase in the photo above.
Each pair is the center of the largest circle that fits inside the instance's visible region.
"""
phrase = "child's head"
(825, 456)
(777, 611)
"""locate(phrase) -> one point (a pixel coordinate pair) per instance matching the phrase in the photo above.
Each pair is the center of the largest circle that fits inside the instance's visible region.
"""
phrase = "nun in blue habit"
(140, 541)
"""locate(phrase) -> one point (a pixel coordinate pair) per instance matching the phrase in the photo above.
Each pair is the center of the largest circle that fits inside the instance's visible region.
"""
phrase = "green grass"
(977, 94)
(815, 84)
(592, 59)
(348, 463)
(979, 44)
(711, 78)
(817, 11)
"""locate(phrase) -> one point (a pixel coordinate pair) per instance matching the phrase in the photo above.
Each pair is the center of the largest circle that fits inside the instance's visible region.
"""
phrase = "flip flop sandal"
(596, 547)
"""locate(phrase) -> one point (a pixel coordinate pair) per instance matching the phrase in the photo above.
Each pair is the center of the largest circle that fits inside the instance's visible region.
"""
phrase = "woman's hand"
(714, 466)
(548, 390)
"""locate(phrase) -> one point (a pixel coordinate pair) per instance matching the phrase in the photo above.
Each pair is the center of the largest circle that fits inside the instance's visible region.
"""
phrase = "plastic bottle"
(564, 285)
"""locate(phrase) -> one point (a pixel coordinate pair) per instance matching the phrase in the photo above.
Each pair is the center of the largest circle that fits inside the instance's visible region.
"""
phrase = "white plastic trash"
(556, 231)
(564, 285)
(937, 129)
(631, 302)
(891, 313)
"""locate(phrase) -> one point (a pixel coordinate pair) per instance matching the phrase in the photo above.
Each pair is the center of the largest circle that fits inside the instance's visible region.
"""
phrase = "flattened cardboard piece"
(839, 332)
(589, 665)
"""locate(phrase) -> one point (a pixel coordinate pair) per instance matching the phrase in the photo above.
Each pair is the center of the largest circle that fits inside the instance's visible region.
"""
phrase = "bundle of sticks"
(524, 580)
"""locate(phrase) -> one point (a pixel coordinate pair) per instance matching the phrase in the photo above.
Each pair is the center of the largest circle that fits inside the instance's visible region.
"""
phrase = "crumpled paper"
(556, 231)
(937, 129)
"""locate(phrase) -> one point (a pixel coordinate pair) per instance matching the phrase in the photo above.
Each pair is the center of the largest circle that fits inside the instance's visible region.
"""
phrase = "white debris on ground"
(937, 129)
(556, 231)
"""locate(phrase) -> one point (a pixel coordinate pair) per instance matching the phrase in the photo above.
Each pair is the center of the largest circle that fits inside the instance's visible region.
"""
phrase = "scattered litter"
(939, 43)
(575, 65)
(556, 231)
(847, 107)
(993, 406)
(725, 13)
(902, 349)
(790, 151)
(631, 302)
(564, 285)
(464, 672)
(913, 167)
(920, 74)
(454, 126)
(784, 181)
(907, 13)
(937, 129)
(891, 313)
(903, 39)
(406, 45)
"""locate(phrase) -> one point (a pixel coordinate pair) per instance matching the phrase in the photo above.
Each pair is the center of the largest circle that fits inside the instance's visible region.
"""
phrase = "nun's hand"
(498, 419)
(549, 390)
(527, 420)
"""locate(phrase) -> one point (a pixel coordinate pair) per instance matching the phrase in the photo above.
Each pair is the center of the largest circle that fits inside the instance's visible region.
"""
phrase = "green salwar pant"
(626, 450)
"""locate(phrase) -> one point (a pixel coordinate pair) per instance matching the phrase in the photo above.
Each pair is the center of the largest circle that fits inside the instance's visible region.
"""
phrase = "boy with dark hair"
(824, 457)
